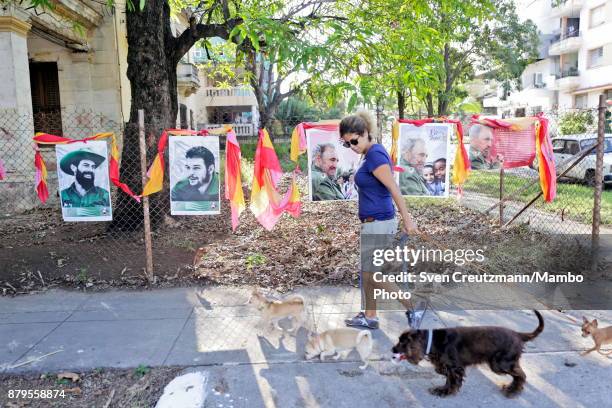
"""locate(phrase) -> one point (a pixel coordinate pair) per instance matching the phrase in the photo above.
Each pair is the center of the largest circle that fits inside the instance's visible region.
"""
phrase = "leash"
(429, 341)
(403, 240)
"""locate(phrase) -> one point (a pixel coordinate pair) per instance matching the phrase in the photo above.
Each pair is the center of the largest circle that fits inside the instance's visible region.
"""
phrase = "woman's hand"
(384, 175)
(409, 226)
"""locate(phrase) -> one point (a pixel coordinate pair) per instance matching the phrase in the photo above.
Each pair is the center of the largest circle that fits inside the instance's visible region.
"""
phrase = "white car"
(567, 146)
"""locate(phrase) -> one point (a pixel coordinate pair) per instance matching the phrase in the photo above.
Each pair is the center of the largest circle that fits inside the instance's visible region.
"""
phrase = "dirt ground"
(39, 251)
(140, 387)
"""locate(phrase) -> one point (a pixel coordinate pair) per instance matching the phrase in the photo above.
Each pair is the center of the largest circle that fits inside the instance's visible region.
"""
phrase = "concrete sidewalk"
(211, 329)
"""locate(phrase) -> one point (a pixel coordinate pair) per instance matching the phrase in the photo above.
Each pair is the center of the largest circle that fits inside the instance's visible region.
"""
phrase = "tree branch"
(195, 32)
(225, 9)
(294, 11)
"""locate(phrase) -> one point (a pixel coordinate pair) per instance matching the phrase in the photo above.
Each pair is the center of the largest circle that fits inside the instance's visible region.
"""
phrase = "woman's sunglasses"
(353, 142)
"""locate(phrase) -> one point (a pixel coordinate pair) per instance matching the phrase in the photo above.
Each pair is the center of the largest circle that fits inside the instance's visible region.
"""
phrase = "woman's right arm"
(384, 175)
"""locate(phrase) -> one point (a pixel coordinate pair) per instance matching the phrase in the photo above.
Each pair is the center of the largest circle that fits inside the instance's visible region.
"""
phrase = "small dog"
(272, 311)
(340, 341)
(600, 336)
(451, 350)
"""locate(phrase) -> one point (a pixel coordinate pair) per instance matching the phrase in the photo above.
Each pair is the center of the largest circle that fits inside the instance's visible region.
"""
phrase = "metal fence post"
(145, 200)
(501, 194)
(601, 112)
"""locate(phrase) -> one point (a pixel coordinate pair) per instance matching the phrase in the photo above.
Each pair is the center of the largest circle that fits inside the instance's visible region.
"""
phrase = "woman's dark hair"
(358, 124)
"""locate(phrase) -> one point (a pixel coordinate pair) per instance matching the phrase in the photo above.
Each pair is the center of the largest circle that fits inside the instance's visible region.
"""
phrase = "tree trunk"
(401, 102)
(153, 55)
(379, 124)
(444, 97)
(429, 105)
(152, 74)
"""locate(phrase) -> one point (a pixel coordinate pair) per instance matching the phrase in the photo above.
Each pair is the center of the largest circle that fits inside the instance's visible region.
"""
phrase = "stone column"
(16, 123)
(15, 87)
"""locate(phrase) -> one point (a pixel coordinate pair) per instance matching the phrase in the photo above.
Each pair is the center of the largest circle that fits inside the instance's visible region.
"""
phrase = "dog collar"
(429, 341)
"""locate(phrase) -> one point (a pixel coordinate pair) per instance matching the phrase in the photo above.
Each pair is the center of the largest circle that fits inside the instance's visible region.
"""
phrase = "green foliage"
(427, 49)
(255, 260)
(576, 122)
(82, 277)
(295, 110)
(141, 370)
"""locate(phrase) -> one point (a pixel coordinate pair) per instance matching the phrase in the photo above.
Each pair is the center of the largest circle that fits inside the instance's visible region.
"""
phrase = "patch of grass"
(575, 199)
(255, 260)
(141, 370)
(185, 244)
(81, 277)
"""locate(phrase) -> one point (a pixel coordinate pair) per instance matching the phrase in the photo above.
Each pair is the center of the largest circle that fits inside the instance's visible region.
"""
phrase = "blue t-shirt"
(374, 198)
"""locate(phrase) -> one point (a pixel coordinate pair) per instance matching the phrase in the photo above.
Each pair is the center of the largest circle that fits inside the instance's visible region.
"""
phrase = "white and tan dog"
(340, 341)
(600, 337)
(272, 311)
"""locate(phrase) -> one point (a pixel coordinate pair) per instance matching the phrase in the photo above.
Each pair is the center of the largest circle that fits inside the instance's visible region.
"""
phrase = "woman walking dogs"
(377, 191)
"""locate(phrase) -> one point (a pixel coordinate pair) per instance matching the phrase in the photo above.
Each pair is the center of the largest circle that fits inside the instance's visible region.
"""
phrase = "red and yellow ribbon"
(41, 168)
(266, 202)
(2, 170)
(233, 181)
(298, 136)
(156, 171)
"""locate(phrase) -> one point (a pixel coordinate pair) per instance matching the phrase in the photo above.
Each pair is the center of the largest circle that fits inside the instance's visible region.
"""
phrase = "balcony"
(241, 129)
(229, 97)
(568, 80)
(188, 80)
(566, 8)
(566, 43)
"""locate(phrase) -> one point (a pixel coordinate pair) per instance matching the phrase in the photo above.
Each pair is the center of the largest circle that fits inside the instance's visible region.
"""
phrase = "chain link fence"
(573, 132)
(36, 245)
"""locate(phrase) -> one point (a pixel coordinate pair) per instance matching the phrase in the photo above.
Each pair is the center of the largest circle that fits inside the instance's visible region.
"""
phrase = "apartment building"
(225, 101)
(574, 65)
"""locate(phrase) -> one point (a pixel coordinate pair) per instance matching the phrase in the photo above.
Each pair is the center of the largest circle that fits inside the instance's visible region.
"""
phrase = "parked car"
(567, 146)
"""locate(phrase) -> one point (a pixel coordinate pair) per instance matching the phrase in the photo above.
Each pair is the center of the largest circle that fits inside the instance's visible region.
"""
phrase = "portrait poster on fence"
(83, 180)
(194, 175)
(490, 147)
(331, 167)
(424, 158)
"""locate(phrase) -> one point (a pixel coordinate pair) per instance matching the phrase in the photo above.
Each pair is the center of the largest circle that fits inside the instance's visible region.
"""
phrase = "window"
(191, 120)
(598, 15)
(595, 57)
(572, 147)
(46, 105)
(535, 110)
(183, 112)
(537, 80)
(585, 144)
(558, 145)
(608, 94)
(520, 113)
(581, 101)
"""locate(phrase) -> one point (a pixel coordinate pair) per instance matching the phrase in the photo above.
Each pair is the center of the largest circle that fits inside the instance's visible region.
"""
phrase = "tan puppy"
(600, 336)
(272, 311)
(340, 341)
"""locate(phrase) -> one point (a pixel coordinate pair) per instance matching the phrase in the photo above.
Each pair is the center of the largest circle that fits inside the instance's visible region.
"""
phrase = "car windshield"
(585, 144)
